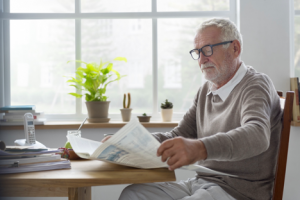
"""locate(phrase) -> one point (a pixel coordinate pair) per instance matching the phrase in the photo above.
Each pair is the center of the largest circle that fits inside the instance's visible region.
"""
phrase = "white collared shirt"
(225, 90)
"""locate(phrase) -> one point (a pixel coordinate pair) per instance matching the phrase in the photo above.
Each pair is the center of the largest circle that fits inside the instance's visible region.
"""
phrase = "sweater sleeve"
(187, 126)
(256, 104)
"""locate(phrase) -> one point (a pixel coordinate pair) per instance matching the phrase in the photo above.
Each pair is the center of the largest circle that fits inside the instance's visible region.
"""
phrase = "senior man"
(233, 126)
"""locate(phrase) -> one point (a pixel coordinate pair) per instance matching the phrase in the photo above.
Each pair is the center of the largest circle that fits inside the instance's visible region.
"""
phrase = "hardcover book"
(19, 107)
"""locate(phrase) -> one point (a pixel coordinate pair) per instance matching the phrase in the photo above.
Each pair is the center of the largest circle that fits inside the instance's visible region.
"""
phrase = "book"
(4, 122)
(296, 109)
(20, 107)
(31, 160)
(21, 117)
(24, 148)
(16, 117)
(22, 112)
(13, 154)
(19, 159)
(16, 168)
(133, 145)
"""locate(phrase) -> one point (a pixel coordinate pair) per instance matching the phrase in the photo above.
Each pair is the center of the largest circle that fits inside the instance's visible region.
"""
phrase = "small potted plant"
(167, 111)
(126, 111)
(93, 79)
(144, 118)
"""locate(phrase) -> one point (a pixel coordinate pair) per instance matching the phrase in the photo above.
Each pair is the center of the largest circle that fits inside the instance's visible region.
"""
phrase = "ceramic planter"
(73, 155)
(126, 114)
(97, 111)
(167, 114)
(144, 118)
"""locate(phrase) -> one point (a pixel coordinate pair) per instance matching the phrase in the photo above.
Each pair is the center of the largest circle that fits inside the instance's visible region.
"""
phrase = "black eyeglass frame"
(211, 46)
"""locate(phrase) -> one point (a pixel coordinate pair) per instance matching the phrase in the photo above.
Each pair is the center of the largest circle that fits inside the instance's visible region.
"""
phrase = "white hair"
(229, 30)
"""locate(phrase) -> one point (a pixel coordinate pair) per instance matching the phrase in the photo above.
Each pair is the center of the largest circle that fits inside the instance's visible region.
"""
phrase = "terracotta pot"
(144, 118)
(167, 114)
(126, 114)
(97, 109)
(73, 155)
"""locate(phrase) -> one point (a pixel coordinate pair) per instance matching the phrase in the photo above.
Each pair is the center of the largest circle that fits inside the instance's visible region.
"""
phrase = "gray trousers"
(192, 189)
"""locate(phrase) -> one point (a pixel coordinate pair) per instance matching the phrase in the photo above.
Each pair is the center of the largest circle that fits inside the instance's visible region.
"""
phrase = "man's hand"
(106, 138)
(181, 151)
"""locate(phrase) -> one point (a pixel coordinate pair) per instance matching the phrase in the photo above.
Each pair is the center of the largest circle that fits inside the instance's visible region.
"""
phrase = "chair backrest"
(283, 146)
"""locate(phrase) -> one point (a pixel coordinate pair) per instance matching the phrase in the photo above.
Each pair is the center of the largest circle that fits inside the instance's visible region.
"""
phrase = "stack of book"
(295, 86)
(19, 159)
(14, 115)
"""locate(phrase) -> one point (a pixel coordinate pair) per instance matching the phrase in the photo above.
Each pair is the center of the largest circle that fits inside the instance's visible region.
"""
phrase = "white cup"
(75, 132)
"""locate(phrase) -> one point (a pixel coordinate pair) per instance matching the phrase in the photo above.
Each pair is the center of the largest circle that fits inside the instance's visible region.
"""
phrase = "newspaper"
(133, 145)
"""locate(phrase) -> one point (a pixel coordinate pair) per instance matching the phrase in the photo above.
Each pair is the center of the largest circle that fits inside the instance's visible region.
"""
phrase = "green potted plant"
(166, 111)
(93, 79)
(144, 118)
(126, 111)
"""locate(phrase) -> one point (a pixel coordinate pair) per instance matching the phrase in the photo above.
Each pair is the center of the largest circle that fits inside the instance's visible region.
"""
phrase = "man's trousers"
(192, 189)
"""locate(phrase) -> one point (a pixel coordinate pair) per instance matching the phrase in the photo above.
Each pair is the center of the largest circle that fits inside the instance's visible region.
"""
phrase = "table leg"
(80, 193)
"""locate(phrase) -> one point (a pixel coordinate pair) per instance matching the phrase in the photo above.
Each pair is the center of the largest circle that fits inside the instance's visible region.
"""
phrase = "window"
(22, 79)
(136, 76)
(172, 75)
(38, 37)
(46, 75)
(296, 38)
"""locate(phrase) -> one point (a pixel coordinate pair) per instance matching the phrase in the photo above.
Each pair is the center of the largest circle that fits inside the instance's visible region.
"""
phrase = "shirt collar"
(225, 90)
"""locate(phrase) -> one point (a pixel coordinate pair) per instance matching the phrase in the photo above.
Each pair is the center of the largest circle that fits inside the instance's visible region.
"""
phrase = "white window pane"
(42, 6)
(297, 46)
(131, 38)
(297, 4)
(192, 5)
(47, 74)
(179, 76)
(40, 50)
(88, 6)
(22, 74)
(172, 75)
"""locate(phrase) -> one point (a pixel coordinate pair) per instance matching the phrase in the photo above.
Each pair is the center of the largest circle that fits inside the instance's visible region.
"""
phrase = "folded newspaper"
(133, 145)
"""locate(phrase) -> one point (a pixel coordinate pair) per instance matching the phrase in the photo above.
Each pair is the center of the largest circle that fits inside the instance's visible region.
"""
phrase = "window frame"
(293, 14)
(6, 16)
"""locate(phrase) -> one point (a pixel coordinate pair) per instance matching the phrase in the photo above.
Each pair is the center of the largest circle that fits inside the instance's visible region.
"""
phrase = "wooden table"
(76, 182)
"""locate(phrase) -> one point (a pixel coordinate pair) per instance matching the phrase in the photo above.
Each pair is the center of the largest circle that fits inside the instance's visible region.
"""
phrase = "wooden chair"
(283, 146)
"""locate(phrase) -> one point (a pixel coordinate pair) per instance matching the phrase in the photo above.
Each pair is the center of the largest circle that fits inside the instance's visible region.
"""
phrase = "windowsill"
(74, 125)
(294, 123)
(113, 124)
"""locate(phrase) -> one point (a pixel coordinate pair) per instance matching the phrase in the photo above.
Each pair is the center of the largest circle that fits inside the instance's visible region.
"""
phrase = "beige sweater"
(240, 135)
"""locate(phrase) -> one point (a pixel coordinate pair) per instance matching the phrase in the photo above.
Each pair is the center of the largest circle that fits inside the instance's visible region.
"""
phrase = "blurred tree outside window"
(297, 38)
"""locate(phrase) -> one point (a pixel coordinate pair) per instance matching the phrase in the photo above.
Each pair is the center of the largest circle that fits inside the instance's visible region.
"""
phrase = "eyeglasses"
(207, 50)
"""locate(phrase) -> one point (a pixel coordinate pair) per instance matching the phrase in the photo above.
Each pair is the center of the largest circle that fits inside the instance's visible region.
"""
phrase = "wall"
(264, 25)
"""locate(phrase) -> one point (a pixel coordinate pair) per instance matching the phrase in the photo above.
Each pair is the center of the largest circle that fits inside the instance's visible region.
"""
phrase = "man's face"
(217, 68)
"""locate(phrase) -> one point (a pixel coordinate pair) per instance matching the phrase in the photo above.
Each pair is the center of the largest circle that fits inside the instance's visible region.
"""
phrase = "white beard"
(221, 75)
